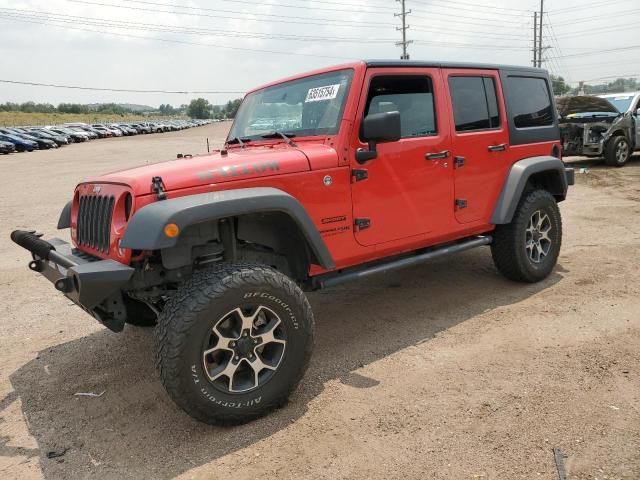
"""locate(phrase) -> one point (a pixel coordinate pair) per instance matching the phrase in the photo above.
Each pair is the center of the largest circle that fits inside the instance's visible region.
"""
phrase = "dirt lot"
(440, 371)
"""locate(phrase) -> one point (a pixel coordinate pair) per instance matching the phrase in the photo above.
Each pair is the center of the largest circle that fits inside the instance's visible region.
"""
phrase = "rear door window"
(474, 101)
(530, 102)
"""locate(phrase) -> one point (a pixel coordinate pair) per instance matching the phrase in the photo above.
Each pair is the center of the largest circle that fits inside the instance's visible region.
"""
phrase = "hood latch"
(157, 186)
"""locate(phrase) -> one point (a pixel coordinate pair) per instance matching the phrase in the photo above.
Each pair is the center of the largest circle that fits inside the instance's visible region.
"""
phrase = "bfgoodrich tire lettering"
(526, 250)
(185, 327)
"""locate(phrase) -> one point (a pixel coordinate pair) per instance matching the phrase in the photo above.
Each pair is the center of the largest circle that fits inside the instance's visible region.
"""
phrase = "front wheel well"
(271, 238)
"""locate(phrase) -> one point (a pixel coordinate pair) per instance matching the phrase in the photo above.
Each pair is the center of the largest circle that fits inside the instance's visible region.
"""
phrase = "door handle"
(497, 148)
(437, 155)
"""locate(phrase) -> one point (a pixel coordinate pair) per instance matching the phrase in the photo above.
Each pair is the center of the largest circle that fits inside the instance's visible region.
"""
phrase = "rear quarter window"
(531, 104)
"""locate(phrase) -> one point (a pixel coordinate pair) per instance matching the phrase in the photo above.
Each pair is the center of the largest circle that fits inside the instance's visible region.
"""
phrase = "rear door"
(408, 189)
(480, 140)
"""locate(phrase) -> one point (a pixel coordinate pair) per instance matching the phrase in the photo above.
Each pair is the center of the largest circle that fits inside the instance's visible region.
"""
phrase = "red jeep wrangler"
(325, 177)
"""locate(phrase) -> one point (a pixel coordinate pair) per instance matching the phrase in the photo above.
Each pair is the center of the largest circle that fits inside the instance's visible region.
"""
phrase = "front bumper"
(94, 285)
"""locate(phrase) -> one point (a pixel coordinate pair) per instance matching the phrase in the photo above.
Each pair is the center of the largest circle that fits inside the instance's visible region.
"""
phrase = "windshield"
(304, 107)
(622, 103)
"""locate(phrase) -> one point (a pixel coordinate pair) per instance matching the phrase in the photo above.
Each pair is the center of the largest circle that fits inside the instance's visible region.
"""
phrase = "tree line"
(197, 108)
(620, 85)
(201, 108)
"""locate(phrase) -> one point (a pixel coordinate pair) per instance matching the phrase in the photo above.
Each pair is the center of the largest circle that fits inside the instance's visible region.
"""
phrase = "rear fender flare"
(517, 179)
(145, 230)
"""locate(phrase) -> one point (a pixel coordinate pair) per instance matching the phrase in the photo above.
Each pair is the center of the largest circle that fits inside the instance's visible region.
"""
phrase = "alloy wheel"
(244, 349)
(537, 239)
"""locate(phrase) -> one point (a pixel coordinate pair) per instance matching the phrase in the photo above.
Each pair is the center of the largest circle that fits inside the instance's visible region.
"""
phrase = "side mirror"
(382, 127)
(638, 112)
(378, 127)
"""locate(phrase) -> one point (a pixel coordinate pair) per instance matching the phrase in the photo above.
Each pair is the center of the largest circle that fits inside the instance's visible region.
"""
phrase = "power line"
(278, 19)
(129, 90)
(596, 52)
(599, 17)
(583, 5)
(123, 24)
(167, 40)
(591, 31)
(155, 27)
(474, 5)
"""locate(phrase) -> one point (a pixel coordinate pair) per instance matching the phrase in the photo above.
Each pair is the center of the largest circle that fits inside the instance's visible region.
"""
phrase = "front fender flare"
(516, 181)
(145, 230)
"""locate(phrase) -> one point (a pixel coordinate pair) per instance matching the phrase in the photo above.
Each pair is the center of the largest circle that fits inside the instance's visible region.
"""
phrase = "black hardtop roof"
(440, 64)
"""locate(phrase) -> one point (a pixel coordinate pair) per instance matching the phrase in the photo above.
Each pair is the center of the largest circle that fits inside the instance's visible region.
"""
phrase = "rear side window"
(412, 96)
(474, 101)
(530, 102)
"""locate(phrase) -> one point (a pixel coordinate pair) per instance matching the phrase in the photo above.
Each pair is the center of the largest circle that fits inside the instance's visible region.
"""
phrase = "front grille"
(94, 221)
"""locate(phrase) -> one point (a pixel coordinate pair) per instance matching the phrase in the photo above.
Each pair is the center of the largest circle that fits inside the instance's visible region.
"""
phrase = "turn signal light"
(171, 230)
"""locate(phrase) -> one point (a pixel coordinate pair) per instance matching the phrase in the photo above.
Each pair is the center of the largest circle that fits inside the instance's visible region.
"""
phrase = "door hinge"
(458, 162)
(358, 174)
(362, 223)
(461, 203)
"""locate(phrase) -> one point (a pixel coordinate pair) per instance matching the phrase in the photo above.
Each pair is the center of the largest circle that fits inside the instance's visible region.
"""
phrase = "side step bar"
(332, 279)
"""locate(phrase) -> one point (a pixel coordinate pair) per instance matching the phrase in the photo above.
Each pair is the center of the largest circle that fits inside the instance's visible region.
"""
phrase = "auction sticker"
(322, 93)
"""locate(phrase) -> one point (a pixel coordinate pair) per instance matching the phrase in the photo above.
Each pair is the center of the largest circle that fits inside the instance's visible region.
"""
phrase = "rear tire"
(526, 250)
(234, 342)
(617, 151)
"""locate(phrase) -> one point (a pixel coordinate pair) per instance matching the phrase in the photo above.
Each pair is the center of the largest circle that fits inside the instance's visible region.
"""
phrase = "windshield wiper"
(285, 137)
(239, 140)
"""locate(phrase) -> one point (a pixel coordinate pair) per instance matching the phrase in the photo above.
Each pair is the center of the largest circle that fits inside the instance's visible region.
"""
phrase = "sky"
(230, 46)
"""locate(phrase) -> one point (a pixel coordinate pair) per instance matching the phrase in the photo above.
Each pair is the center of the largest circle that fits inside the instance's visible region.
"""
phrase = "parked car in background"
(142, 128)
(593, 127)
(60, 141)
(21, 144)
(7, 147)
(155, 127)
(104, 131)
(114, 131)
(42, 143)
(74, 135)
(627, 103)
(93, 132)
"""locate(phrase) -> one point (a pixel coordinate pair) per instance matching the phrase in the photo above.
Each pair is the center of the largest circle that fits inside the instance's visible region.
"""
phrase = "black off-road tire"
(617, 151)
(188, 319)
(509, 249)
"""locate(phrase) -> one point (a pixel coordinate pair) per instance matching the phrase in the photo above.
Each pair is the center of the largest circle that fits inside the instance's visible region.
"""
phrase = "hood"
(569, 106)
(213, 168)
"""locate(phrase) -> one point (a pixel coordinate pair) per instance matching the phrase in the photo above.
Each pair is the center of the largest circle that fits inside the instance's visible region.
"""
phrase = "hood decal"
(227, 171)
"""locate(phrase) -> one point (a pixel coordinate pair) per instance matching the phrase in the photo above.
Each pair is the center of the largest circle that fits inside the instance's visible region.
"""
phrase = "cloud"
(72, 48)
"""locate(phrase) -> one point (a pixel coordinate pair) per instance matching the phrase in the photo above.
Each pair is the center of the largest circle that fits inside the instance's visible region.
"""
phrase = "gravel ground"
(446, 370)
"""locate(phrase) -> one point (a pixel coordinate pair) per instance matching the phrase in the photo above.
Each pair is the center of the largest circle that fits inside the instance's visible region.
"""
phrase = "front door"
(408, 189)
(480, 138)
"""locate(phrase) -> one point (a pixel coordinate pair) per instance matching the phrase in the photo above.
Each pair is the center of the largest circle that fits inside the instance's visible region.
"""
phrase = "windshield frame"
(298, 134)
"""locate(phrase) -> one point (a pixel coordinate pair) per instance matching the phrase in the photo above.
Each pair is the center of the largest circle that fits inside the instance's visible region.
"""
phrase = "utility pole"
(404, 28)
(540, 34)
(535, 39)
